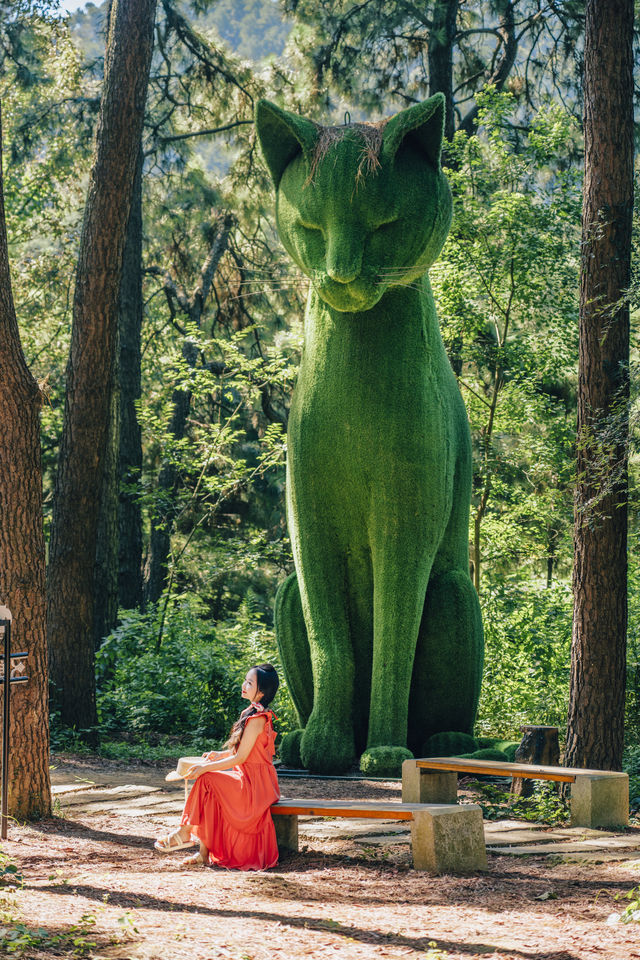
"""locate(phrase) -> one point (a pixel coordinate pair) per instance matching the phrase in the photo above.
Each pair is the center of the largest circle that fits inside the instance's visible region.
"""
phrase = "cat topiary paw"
(325, 748)
(384, 761)
(290, 749)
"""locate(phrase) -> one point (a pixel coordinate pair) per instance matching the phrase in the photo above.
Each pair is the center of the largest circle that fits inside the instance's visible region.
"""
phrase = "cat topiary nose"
(340, 275)
(343, 266)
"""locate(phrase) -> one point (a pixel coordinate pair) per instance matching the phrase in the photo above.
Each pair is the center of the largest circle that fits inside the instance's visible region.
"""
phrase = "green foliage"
(631, 912)
(527, 656)
(506, 286)
(186, 684)
(545, 806)
(372, 54)
(10, 875)
(20, 939)
(452, 744)
(384, 761)
(507, 747)
(631, 764)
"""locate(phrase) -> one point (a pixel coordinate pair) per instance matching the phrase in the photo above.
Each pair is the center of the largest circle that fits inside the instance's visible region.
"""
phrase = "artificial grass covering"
(379, 628)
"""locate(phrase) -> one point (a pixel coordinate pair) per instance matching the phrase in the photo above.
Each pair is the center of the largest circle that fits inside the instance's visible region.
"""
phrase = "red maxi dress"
(229, 810)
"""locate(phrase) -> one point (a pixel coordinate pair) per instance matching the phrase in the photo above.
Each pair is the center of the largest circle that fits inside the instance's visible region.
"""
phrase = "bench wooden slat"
(501, 768)
(346, 808)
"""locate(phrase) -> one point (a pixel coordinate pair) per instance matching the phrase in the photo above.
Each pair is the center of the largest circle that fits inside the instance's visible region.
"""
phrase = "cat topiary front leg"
(401, 565)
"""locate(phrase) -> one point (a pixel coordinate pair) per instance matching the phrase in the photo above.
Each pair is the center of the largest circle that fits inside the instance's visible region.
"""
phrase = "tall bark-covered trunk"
(441, 41)
(105, 578)
(596, 708)
(130, 457)
(90, 366)
(22, 560)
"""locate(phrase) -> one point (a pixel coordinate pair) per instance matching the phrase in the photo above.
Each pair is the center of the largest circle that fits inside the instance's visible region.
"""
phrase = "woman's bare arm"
(249, 736)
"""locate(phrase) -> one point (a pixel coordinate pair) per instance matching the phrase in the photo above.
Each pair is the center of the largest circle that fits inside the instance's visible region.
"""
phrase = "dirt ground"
(93, 886)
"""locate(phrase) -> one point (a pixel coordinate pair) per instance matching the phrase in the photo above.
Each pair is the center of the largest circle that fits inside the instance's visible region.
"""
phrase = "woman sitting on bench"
(228, 809)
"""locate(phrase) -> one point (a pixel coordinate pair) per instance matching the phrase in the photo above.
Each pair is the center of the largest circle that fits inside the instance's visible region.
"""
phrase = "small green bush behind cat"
(379, 628)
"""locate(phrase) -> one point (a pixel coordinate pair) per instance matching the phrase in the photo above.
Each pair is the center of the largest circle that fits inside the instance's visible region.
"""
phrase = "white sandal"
(166, 844)
(196, 860)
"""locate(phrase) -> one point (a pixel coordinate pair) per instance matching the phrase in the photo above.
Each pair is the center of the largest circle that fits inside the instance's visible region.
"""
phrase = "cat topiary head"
(359, 208)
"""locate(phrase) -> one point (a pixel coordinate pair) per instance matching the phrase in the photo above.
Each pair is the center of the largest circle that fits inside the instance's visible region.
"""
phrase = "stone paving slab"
(631, 856)
(352, 828)
(585, 846)
(510, 838)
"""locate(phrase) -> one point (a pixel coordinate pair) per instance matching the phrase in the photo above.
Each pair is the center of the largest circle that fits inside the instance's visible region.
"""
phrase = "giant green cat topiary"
(379, 629)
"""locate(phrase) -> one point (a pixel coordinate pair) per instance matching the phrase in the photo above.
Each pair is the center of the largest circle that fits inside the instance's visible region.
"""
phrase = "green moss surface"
(379, 628)
(508, 747)
(489, 753)
(384, 761)
(449, 744)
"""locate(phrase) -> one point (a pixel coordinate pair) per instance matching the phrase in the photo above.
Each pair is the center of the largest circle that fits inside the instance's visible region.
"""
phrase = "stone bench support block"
(600, 801)
(428, 786)
(448, 839)
(286, 832)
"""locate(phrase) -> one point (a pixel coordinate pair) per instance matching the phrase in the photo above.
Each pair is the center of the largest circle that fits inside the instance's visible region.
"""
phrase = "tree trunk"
(598, 654)
(539, 746)
(441, 41)
(90, 366)
(22, 559)
(130, 465)
(105, 579)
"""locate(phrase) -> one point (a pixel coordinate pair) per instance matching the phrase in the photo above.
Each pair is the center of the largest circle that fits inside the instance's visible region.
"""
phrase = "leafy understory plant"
(545, 806)
(19, 939)
(631, 913)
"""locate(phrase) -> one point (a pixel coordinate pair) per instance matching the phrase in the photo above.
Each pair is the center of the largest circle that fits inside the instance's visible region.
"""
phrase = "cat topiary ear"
(423, 123)
(282, 135)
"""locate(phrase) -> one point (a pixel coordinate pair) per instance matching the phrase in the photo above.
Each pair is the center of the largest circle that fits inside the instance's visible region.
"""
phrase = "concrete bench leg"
(448, 839)
(600, 801)
(428, 786)
(286, 832)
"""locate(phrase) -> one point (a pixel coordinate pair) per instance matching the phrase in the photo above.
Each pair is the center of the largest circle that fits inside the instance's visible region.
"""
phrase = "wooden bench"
(445, 838)
(599, 798)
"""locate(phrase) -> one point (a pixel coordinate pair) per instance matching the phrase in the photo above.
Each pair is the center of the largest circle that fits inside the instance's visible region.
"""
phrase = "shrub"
(488, 753)
(384, 761)
(448, 744)
(187, 683)
(290, 749)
